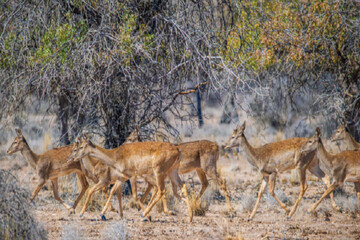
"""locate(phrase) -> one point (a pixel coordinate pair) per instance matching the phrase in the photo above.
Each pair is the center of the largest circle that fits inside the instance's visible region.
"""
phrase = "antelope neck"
(352, 141)
(103, 155)
(30, 156)
(250, 152)
(323, 155)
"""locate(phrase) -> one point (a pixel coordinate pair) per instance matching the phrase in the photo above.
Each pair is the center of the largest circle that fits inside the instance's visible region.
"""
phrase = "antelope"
(50, 166)
(341, 167)
(273, 158)
(343, 134)
(202, 157)
(104, 175)
(137, 159)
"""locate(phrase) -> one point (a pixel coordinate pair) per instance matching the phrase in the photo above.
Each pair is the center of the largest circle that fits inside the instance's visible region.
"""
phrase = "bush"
(16, 221)
(116, 231)
(71, 232)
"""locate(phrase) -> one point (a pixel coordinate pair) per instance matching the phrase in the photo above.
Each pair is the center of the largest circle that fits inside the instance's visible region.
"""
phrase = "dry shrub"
(71, 232)
(213, 193)
(348, 204)
(133, 204)
(247, 203)
(116, 231)
(16, 221)
(280, 194)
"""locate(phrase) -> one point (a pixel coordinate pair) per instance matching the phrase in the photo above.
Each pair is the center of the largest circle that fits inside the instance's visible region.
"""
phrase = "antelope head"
(313, 142)
(134, 136)
(236, 137)
(18, 144)
(81, 148)
(340, 134)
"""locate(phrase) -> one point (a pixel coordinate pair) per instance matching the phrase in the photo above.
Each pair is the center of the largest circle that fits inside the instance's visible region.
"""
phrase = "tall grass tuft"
(16, 220)
(199, 207)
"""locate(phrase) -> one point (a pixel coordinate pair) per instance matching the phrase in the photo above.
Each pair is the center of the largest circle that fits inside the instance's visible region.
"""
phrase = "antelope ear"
(318, 132)
(91, 144)
(78, 139)
(137, 128)
(243, 126)
(85, 137)
(18, 132)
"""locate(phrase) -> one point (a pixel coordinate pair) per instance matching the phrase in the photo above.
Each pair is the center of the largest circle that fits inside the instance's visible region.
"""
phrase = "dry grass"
(227, 232)
(239, 236)
(199, 207)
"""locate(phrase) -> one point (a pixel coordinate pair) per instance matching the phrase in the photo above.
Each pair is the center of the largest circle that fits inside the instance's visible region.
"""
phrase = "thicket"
(16, 220)
(110, 65)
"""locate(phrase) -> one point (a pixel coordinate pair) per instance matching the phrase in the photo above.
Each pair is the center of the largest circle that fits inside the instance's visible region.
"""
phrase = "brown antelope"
(104, 175)
(138, 159)
(202, 157)
(273, 158)
(49, 166)
(341, 167)
(343, 134)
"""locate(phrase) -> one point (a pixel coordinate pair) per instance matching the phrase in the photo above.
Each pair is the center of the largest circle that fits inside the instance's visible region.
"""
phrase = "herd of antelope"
(155, 161)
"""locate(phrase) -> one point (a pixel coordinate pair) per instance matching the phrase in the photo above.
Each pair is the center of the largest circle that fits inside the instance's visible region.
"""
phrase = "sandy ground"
(269, 222)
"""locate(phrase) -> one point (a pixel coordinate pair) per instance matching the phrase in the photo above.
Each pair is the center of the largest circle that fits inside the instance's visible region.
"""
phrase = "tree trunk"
(63, 116)
(199, 110)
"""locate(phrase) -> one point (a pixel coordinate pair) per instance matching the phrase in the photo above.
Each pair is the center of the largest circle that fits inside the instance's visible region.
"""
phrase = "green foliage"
(126, 34)
(6, 56)
(58, 44)
(304, 33)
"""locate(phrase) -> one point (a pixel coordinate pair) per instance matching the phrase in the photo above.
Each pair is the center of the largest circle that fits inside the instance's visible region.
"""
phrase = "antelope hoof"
(81, 215)
(249, 219)
(308, 212)
(287, 218)
(340, 210)
(327, 219)
(103, 217)
(145, 219)
(72, 211)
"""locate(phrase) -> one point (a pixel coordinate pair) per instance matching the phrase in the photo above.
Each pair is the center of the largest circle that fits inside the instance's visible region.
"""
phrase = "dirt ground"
(269, 222)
